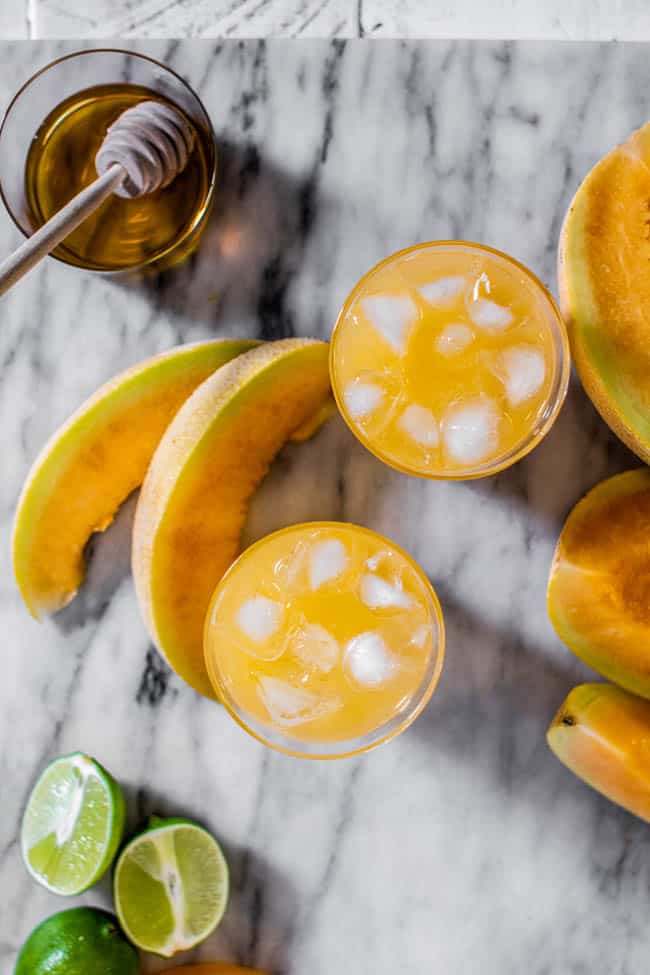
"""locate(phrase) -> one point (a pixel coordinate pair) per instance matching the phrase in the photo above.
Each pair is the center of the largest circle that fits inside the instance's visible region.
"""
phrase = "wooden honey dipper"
(144, 150)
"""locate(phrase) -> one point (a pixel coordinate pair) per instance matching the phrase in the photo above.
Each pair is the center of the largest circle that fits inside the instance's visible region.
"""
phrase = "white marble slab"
(464, 846)
(201, 18)
(576, 20)
(14, 19)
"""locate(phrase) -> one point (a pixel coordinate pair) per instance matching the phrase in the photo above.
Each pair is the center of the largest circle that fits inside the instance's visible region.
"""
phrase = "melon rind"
(601, 734)
(94, 461)
(604, 287)
(194, 500)
(599, 585)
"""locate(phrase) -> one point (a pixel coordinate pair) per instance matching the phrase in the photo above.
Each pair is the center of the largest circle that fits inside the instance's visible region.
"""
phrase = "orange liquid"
(323, 633)
(447, 358)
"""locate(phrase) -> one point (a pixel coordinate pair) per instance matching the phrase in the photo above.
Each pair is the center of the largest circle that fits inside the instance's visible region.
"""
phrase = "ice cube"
(392, 316)
(315, 647)
(327, 560)
(259, 618)
(482, 281)
(444, 291)
(489, 315)
(287, 571)
(524, 370)
(454, 338)
(288, 705)
(368, 661)
(377, 593)
(421, 425)
(386, 561)
(362, 398)
(470, 430)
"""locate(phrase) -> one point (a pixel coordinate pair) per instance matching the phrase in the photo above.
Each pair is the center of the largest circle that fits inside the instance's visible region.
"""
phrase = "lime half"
(73, 825)
(171, 886)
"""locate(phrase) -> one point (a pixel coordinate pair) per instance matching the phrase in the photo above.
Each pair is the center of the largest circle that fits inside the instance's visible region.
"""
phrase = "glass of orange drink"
(324, 640)
(449, 360)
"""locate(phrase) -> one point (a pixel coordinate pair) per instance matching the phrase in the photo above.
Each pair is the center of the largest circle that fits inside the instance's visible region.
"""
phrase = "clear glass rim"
(209, 128)
(556, 397)
(353, 746)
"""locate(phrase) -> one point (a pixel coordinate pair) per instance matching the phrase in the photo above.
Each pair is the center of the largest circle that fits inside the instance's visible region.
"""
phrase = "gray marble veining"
(464, 845)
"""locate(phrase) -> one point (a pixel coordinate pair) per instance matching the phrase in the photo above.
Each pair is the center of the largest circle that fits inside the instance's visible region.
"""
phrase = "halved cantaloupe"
(92, 464)
(601, 733)
(603, 262)
(213, 968)
(599, 587)
(194, 499)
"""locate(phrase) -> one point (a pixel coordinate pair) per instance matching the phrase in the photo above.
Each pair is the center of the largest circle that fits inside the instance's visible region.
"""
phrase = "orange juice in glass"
(449, 360)
(324, 639)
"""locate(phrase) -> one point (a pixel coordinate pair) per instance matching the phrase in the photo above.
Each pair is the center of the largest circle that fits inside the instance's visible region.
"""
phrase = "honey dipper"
(143, 150)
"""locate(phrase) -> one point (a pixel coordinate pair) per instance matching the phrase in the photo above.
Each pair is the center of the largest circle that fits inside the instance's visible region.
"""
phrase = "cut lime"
(81, 941)
(73, 825)
(171, 886)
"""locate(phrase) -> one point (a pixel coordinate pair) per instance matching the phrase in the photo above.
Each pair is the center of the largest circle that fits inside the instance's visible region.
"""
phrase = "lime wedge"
(171, 886)
(73, 825)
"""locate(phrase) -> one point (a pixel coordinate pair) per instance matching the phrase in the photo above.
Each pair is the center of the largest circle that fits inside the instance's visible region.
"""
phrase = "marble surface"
(463, 846)
(575, 20)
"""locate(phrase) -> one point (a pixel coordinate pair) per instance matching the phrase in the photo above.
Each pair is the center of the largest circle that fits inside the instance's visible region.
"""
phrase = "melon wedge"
(601, 733)
(604, 285)
(599, 587)
(92, 464)
(195, 496)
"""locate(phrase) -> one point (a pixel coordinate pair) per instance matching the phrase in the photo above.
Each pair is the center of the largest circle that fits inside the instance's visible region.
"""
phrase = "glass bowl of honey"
(48, 141)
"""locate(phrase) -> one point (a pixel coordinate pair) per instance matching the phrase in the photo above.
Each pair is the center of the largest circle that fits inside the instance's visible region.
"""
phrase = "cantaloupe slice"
(603, 263)
(599, 587)
(601, 733)
(194, 499)
(94, 461)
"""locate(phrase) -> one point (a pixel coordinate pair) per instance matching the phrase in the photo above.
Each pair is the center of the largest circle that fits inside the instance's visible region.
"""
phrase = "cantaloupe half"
(599, 587)
(604, 284)
(602, 734)
(195, 496)
(213, 968)
(94, 461)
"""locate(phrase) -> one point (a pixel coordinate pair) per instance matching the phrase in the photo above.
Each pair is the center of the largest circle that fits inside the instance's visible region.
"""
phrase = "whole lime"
(77, 942)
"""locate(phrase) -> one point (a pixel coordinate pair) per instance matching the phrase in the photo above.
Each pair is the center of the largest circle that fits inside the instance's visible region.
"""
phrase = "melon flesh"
(195, 497)
(602, 734)
(599, 587)
(603, 263)
(94, 461)
(213, 968)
